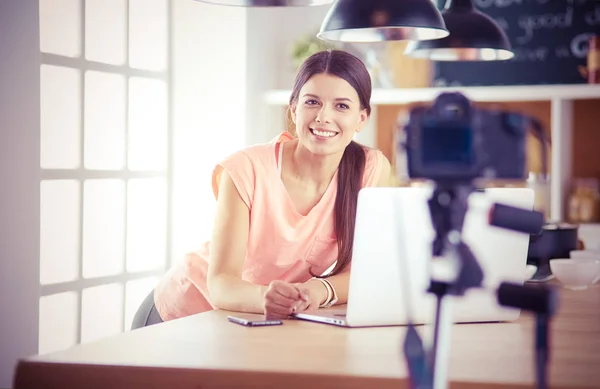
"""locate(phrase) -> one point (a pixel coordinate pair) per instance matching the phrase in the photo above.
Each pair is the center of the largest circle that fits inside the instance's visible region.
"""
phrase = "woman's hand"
(316, 294)
(281, 299)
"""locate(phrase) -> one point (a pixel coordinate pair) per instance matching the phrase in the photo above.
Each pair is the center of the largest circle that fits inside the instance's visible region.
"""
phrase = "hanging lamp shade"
(382, 20)
(267, 3)
(474, 36)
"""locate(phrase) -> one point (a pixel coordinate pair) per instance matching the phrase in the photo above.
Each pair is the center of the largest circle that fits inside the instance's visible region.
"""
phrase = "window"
(105, 164)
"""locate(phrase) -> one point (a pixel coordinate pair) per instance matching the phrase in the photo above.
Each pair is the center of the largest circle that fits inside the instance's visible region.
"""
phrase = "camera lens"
(452, 111)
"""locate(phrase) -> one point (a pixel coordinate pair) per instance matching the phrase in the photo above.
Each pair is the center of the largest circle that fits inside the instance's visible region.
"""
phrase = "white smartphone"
(252, 321)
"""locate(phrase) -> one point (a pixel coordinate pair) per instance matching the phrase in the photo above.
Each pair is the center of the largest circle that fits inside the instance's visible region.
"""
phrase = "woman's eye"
(311, 102)
(343, 106)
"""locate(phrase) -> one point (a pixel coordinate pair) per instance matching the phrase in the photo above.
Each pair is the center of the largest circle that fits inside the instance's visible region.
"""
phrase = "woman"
(285, 209)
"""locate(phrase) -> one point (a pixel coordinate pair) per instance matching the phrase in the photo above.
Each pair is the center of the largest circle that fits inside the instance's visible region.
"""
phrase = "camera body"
(452, 141)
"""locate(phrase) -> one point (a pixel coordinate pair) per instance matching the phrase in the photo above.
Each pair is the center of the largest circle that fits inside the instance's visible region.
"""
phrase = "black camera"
(452, 141)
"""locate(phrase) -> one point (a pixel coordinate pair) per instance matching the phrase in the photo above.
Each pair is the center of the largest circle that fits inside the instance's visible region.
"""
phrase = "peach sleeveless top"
(282, 244)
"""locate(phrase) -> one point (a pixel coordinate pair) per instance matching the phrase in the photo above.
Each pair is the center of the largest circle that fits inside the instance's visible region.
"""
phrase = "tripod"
(448, 206)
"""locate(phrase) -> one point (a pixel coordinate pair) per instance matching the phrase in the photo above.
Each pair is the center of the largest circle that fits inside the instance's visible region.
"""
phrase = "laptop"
(392, 263)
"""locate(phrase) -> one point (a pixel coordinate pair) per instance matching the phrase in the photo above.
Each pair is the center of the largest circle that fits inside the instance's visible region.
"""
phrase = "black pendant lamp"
(474, 36)
(382, 20)
(267, 3)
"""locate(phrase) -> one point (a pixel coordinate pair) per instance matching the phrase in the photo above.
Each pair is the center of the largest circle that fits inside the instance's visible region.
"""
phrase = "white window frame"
(81, 174)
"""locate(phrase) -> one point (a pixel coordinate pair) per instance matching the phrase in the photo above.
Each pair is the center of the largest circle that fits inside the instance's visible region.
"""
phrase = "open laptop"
(392, 265)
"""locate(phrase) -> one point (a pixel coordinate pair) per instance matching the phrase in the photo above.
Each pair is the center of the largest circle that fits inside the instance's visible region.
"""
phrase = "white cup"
(575, 274)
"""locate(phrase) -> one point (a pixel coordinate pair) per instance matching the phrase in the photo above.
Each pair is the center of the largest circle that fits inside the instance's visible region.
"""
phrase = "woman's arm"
(228, 250)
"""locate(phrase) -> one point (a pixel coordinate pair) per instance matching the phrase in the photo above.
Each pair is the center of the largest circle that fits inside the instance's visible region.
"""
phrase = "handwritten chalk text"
(531, 23)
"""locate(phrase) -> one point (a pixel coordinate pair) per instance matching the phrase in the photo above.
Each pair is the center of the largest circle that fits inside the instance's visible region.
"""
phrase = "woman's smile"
(323, 134)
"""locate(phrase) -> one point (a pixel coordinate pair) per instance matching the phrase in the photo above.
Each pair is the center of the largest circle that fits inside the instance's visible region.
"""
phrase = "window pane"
(105, 29)
(60, 27)
(58, 322)
(135, 292)
(146, 224)
(103, 227)
(59, 231)
(148, 34)
(101, 312)
(60, 117)
(147, 124)
(105, 107)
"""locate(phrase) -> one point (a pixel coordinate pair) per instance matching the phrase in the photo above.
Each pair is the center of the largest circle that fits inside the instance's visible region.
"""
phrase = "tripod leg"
(541, 350)
(416, 359)
(440, 349)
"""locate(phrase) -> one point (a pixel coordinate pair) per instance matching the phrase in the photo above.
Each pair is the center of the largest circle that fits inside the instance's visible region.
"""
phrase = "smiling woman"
(286, 208)
(330, 102)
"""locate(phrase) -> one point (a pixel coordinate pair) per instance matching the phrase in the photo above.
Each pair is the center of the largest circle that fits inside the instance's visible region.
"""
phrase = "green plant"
(306, 46)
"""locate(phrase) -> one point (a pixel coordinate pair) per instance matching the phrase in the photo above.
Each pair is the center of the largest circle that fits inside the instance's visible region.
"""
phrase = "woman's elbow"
(215, 291)
(220, 303)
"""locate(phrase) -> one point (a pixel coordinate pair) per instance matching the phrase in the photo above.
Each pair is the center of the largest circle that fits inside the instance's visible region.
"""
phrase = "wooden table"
(205, 351)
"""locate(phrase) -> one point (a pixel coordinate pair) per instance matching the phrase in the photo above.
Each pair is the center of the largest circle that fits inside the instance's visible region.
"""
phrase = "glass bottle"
(584, 201)
(593, 60)
(541, 190)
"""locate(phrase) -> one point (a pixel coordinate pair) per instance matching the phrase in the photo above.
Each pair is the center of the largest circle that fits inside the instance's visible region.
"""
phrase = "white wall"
(209, 109)
(19, 183)
(271, 34)
(295, 23)
(263, 45)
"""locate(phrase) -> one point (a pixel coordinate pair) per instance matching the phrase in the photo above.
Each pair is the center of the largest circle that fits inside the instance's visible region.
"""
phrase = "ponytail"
(350, 176)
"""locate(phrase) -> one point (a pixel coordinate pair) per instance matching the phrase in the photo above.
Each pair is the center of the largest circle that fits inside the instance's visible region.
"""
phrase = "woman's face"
(327, 114)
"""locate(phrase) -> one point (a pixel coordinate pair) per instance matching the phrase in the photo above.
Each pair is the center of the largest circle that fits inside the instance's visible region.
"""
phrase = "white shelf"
(475, 93)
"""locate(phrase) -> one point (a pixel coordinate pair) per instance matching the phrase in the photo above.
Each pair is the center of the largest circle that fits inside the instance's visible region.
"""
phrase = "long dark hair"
(352, 165)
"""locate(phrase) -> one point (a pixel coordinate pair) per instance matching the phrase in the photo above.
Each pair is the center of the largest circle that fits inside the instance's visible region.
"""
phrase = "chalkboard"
(549, 38)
